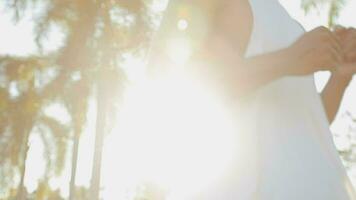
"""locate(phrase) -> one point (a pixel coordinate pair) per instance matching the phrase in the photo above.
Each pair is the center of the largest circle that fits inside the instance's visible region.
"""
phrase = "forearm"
(242, 76)
(310, 53)
(332, 96)
(261, 70)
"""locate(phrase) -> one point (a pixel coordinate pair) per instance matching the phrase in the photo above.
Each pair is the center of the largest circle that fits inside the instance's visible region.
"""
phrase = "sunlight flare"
(182, 24)
(179, 50)
(172, 133)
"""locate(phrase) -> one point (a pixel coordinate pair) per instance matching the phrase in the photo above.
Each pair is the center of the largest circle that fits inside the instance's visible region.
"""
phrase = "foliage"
(335, 7)
(44, 191)
(97, 34)
(348, 152)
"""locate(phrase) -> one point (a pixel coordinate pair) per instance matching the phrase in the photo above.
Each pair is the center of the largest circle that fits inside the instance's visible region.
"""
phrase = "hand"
(347, 38)
(316, 50)
(347, 69)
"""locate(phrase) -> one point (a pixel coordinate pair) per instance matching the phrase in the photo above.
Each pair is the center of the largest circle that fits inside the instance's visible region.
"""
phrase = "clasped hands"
(322, 49)
(347, 41)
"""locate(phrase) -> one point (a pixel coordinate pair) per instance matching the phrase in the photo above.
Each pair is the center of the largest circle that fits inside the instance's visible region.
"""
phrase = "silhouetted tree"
(87, 64)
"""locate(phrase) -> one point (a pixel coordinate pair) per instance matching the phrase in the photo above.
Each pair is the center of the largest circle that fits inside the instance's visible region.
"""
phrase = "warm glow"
(173, 133)
(182, 24)
(179, 50)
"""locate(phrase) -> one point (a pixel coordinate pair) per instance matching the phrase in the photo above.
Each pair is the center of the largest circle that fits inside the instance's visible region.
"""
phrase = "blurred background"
(79, 120)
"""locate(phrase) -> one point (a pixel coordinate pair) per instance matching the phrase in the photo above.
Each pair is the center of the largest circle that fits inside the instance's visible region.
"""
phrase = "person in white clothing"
(266, 65)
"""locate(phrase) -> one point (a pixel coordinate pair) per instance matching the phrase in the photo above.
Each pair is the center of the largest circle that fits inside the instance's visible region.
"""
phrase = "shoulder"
(235, 21)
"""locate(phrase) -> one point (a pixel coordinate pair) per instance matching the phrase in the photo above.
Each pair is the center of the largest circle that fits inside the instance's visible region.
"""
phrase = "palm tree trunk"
(21, 191)
(99, 139)
(74, 166)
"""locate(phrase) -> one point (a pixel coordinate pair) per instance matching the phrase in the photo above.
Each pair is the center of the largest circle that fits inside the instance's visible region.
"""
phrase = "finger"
(350, 50)
(338, 27)
(337, 53)
(330, 64)
(334, 57)
(347, 69)
(336, 42)
(351, 34)
(328, 67)
(339, 30)
(349, 41)
(320, 28)
(353, 30)
(351, 57)
(351, 45)
(335, 48)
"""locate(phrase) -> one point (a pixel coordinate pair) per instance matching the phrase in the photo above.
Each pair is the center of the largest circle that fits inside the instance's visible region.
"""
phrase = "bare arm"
(226, 42)
(333, 92)
(316, 50)
(332, 95)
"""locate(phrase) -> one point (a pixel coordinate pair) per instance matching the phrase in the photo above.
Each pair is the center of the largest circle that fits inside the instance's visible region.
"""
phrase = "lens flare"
(173, 133)
(182, 24)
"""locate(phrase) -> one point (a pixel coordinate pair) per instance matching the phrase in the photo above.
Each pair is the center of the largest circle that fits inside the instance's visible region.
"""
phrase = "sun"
(171, 132)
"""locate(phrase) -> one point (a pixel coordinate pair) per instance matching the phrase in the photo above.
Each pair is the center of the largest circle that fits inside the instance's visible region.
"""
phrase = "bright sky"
(17, 40)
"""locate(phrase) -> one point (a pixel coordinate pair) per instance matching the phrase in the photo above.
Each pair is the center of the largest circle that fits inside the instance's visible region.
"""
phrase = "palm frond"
(335, 7)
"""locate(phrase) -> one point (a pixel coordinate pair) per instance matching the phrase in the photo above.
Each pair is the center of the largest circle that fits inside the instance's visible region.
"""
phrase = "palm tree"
(21, 113)
(335, 7)
(87, 62)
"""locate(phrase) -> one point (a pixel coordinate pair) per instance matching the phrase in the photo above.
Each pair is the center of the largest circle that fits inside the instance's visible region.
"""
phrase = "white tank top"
(294, 154)
(286, 148)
